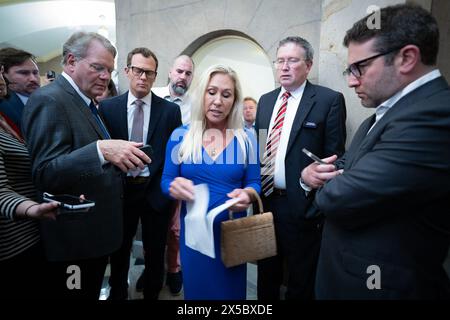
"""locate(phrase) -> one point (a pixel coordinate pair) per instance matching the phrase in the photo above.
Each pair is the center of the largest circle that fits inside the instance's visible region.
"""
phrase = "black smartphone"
(68, 201)
(313, 156)
(148, 150)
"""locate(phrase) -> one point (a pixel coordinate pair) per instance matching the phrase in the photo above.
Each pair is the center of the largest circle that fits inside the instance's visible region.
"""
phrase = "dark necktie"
(268, 169)
(99, 120)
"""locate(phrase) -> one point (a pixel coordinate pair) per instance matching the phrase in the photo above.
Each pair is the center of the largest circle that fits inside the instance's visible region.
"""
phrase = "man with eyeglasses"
(386, 201)
(138, 115)
(180, 78)
(72, 153)
(22, 77)
(297, 115)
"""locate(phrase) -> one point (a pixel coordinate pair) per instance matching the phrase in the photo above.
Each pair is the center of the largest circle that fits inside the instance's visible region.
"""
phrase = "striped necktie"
(268, 162)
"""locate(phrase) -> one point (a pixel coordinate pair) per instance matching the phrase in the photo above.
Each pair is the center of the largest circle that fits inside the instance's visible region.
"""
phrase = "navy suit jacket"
(391, 206)
(165, 117)
(319, 126)
(13, 108)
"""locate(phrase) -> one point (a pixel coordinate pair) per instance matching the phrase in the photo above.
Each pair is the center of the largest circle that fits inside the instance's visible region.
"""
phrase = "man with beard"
(22, 77)
(386, 201)
(180, 78)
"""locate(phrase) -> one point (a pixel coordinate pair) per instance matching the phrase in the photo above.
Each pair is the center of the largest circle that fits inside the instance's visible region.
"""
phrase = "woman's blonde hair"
(191, 147)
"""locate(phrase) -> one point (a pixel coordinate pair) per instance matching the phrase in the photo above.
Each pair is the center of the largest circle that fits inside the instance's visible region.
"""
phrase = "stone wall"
(337, 17)
(170, 27)
(179, 26)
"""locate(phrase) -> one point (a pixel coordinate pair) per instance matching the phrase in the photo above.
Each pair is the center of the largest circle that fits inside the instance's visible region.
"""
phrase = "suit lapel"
(306, 103)
(79, 103)
(266, 114)
(122, 116)
(155, 114)
(358, 141)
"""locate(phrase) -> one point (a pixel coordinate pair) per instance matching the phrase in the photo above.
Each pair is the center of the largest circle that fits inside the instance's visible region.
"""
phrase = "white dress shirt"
(183, 102)
(291, 111)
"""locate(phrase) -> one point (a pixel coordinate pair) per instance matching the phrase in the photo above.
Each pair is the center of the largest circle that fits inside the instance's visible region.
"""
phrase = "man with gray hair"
(298, 115)
(72, 153)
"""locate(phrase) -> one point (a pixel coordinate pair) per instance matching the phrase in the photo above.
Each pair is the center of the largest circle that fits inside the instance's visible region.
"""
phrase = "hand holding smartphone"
(313, 156)
(148, 150)
(69, 202)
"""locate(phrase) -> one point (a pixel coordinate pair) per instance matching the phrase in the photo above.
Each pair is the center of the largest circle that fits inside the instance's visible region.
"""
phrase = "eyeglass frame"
(99, 68)
(289, 62)
(356, 65)
(152, 74)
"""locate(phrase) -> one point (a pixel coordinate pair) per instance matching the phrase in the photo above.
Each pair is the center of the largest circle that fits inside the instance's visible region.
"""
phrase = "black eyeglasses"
(150, 74)
(354, 68)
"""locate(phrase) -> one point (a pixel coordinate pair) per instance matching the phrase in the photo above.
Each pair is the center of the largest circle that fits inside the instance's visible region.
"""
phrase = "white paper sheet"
(199, 234)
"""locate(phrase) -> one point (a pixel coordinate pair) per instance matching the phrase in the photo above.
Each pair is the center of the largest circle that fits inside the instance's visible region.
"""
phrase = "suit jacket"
(12, 108)
(390, 208)
(61, 135)
(165, 117)
(319, 126)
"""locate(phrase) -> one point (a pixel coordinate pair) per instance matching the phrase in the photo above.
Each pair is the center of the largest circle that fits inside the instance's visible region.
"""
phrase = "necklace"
(213, 152)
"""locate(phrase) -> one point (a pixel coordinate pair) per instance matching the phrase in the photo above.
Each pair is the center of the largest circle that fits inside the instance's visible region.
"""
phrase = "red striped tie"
(268, 162)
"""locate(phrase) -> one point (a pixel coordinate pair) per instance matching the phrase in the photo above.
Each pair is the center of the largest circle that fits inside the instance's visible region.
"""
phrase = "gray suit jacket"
(61, 135)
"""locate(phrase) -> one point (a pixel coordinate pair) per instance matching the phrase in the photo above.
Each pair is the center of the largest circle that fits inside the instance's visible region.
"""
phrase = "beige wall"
(53, 64)
(171, 27)
(337, 17)
(182, 26)
(441, 10)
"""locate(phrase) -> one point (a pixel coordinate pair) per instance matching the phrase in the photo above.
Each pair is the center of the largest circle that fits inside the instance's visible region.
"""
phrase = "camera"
(51, 75)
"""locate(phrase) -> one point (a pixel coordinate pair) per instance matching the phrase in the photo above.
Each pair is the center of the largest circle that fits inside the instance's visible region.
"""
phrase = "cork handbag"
(249, 238)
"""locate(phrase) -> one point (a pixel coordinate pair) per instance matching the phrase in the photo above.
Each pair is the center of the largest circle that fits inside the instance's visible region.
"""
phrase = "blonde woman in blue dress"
(217, 151)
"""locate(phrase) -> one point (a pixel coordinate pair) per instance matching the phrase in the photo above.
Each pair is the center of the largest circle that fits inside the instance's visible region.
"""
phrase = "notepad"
(199, 233)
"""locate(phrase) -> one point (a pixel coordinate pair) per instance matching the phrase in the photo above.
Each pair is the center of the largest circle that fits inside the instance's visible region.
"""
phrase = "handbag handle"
(258, 199)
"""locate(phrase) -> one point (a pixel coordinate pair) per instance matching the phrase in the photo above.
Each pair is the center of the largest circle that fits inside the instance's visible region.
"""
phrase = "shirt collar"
(172, 99)
(296, 94)
(85, 98)
(23, 98)
(386, 105)
(147, 99)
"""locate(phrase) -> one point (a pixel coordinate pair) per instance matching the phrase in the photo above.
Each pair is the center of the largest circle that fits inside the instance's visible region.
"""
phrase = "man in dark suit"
(22, 77)
(153, 119)
(387, 212)
(298, 115)
(65, 137)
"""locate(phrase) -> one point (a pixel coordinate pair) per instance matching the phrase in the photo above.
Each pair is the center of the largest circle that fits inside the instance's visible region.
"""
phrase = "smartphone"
(313, 156)
(148, 150)
(68, 202)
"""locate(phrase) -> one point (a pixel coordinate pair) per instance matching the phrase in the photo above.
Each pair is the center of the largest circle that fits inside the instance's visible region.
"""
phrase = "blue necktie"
(99, 121)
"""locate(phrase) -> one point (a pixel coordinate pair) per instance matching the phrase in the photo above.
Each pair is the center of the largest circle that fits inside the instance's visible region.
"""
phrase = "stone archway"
(238, 51)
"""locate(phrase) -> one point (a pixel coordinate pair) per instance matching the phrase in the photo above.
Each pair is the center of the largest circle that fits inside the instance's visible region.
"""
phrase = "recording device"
(51, 75)
(313, 156)
(148, 150)
(69, 202)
